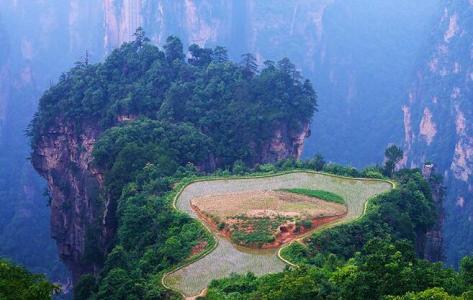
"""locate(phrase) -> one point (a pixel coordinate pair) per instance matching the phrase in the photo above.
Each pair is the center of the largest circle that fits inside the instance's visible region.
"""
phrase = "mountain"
(142, 117)
(438, 118)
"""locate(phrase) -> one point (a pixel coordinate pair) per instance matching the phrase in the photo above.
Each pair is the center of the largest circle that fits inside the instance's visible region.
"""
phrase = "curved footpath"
(225, 258)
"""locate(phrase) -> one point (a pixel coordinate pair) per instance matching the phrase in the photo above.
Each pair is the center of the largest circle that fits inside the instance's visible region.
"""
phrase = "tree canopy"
(237, 105)
(17, 283)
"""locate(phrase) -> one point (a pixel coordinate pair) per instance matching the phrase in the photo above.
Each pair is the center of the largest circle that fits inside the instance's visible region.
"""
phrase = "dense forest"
(382, 269)
(348, 48)
(237, 106)
(371, 258)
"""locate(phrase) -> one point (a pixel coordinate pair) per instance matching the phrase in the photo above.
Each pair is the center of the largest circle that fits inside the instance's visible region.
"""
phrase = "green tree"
(17, 283)
(393, 155)
(173, 49)
(140, 37)
(220, 55)
(117, 285)
(466, 270)
(287, 67)
(200, 57)
(85, 288)
(239, 167)
(429, 294)
(317, 163)
(248, 65)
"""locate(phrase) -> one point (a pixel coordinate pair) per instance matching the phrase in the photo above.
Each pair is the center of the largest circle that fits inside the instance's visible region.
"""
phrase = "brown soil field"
(278, 211)
(266, 204)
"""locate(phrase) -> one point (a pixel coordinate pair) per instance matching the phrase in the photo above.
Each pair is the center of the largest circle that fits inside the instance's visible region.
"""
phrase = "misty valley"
(236, 149)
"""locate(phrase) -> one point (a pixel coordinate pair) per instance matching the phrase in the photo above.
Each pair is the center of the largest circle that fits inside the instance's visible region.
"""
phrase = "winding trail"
(226, 258)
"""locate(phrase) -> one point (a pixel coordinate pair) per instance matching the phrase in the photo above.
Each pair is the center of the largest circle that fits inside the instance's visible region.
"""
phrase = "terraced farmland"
(265, 219)
(228, 258)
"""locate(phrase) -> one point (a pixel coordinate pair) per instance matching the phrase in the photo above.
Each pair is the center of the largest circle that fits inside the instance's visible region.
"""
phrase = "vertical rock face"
(362, 73)
(285, 143)
(82, 216)
(38, 41)
(438, 121)
(431, 246)
(64, 159)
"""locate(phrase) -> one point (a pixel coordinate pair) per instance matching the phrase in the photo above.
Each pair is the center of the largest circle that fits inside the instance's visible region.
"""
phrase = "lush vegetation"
(142, 160)
(370, 258)
(227, 258)
(162, 117)
(321, 194)
(237, 106)
(261, 232)
(256, 231)
(381, 268)
(17, 283)
(404, 213)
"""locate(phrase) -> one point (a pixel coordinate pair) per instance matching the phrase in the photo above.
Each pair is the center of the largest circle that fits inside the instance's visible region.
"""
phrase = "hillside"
(126, 120)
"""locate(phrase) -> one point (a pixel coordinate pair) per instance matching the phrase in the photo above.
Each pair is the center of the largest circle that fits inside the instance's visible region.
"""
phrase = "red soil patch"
(199, 248)
(290, 233)
(214, 226)
(287, 232)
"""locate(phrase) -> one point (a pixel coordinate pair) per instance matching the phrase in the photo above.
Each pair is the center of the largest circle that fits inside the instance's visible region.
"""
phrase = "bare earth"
(266, 204)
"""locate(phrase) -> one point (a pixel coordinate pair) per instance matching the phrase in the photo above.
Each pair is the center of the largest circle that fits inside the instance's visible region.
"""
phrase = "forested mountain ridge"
(206, 112)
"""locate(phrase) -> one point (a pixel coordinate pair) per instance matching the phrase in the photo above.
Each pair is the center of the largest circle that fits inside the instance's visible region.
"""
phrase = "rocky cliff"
(438, 121)
(64, 159)
(430, 244)
(78, 223)
(284, 143)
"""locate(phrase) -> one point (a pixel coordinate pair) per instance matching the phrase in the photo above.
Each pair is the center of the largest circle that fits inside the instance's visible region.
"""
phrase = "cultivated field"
(265, 219)
(265, 204)
(228, 258)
